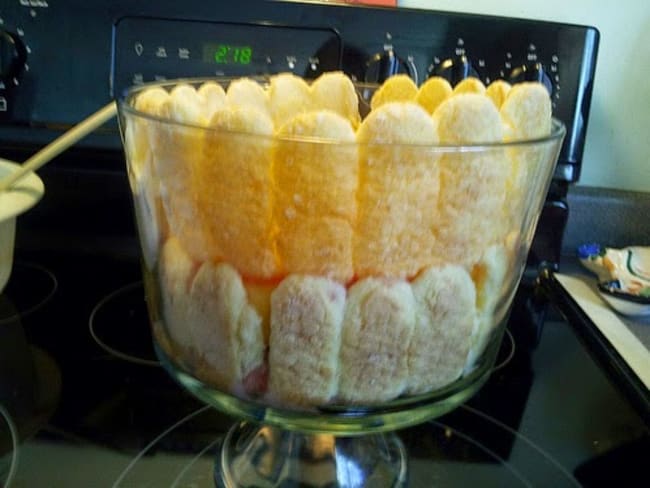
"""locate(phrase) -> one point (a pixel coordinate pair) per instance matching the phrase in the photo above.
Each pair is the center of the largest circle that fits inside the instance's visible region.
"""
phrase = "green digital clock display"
(222, 53)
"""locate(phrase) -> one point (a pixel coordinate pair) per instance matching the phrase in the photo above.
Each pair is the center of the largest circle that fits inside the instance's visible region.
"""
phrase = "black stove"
(84, 400)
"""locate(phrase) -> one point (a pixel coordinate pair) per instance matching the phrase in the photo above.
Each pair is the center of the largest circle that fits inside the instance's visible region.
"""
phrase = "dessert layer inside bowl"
(305, 251)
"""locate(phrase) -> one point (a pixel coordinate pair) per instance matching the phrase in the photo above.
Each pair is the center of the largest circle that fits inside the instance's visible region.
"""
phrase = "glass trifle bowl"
(329, 261)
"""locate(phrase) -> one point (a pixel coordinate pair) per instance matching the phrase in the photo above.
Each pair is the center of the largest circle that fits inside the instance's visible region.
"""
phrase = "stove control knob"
(384, 65)
(13, 55)
(531, 72)
(455, 69)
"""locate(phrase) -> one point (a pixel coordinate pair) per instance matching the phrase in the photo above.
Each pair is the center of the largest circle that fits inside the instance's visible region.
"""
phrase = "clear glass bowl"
(326, 286)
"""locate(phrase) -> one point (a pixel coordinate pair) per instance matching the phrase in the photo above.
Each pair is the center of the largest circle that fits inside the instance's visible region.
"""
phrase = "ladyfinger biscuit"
(315, 187)
(472, 183)
(306, 318)
(153, 228)
(258, 294)
(433, 92)
(397, 88)
(470, 85)
(398, 191)
(185, 106)
(138, 137)
(233, 183)
(526, 112)
(149, 101)
(176, 271)
(289, 95)
(177, 150)
(143, 180)
(245, 92)
(334, 91)
(467, 118)
(527, 109)
(444, 320)
(498, 91)
(226, 330)
(494, 288)
(377, 330)
(213, 97)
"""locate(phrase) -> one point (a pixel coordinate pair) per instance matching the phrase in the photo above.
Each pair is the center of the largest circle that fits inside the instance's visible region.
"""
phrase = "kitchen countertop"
(616, 219)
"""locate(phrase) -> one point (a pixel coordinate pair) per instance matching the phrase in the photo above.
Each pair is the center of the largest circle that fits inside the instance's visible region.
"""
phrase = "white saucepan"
(13, 202)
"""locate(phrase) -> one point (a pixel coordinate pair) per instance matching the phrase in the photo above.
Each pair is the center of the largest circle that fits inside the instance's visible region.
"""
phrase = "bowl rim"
(558, 128)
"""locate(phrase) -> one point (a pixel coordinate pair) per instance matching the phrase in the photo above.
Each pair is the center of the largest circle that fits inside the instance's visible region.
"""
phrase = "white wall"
(617, 151)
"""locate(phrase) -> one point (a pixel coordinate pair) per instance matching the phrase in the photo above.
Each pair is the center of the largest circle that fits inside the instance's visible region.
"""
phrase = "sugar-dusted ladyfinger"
(233, 182)
(445, 299)
(377, 329)
(306, 319)
(398, 191)
(315, 205)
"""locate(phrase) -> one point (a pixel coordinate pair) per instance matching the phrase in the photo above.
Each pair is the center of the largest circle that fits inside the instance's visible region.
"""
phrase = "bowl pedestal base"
(253, 455)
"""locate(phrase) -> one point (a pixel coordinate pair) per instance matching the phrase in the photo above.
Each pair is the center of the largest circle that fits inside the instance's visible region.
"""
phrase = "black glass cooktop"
(90, 406)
